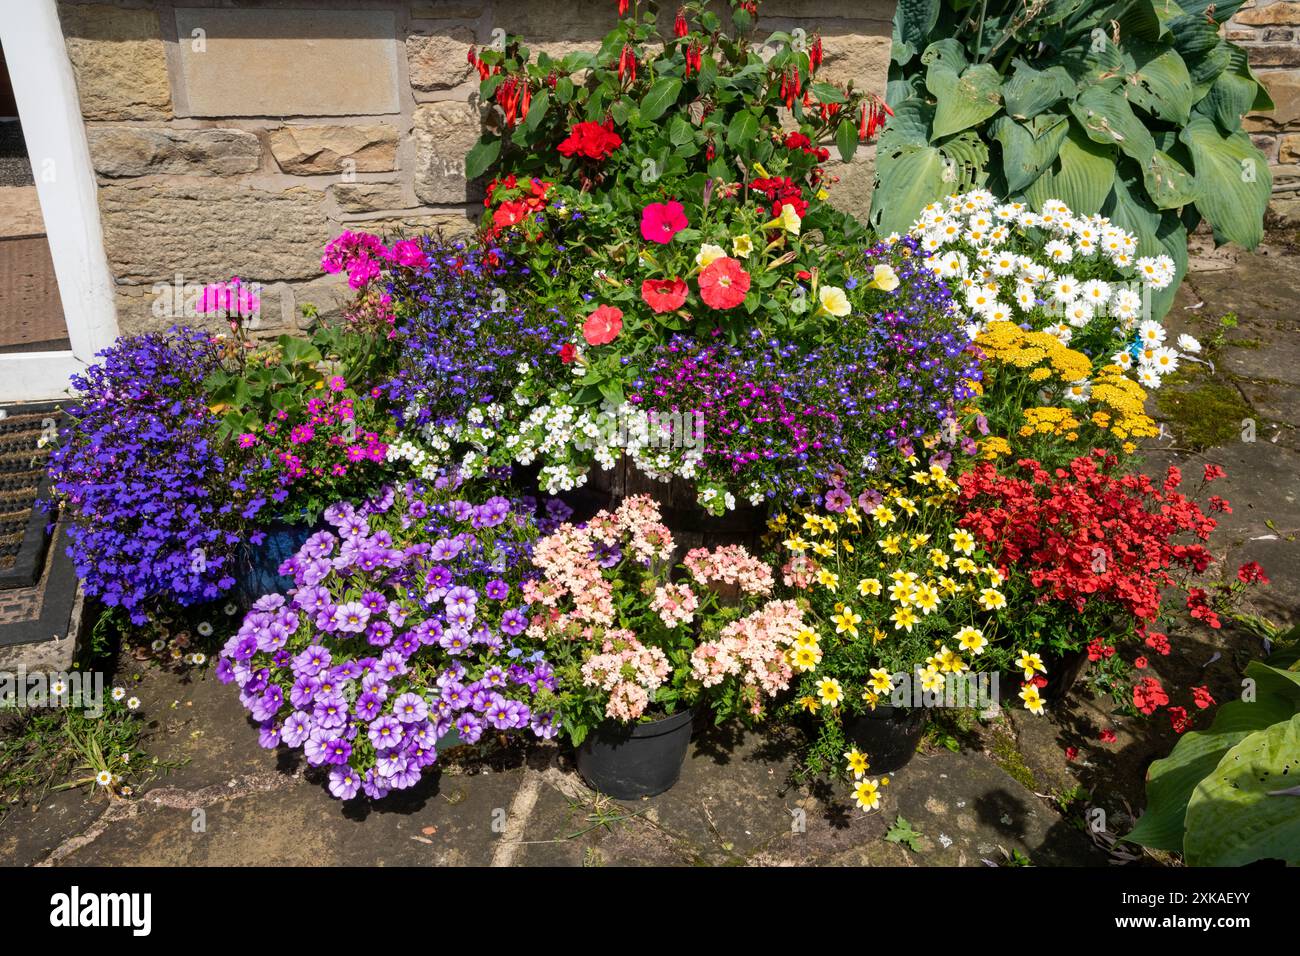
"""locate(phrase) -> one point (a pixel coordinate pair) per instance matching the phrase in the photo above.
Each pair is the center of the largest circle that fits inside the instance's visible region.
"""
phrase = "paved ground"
(1009, 790)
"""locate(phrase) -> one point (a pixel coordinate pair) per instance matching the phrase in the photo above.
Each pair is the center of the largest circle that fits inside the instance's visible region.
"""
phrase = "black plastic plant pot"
(888, 736)
(640, 760)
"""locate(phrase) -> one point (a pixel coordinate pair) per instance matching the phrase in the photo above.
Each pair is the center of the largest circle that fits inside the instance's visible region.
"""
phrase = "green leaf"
(537, 110)
(1158, 81)
(1233, 94)
(743, 129)
(1233, 181)
(913, 21)
(1168, 182)
(846, 139)
(660, 96)
(482, 155)
(1081, 177)
(827, 93)
(679, 131)
(1107, 118)
(963, 101)
(1029, 92)
(1028, 148)
(1237, 814)
(907, 178)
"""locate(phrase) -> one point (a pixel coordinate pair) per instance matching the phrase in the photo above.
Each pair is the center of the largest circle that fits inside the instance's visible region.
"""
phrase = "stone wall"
(236, 140)
(1269, 31)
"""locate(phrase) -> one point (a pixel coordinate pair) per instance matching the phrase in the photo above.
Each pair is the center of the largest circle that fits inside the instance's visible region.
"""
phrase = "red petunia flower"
(591, 141)
(1201, 697)
(660, 221)
(663, 295)
(568, 352)
(603, 325)
(723, 283)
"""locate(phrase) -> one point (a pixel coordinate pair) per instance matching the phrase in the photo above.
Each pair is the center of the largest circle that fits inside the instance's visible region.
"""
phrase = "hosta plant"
(1131, 109)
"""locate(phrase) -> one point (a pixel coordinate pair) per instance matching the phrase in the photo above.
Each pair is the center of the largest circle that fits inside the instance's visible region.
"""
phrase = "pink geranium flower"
(660, 221)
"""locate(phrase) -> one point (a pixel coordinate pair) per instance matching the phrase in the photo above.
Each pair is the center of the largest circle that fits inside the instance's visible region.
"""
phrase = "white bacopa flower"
(1189, 345)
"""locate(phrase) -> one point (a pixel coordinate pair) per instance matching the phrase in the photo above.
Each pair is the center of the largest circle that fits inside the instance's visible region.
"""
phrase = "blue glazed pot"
(259, 564)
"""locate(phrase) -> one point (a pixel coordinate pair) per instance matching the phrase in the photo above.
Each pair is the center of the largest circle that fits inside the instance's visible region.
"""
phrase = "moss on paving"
(1002, 747)
(1206, 414)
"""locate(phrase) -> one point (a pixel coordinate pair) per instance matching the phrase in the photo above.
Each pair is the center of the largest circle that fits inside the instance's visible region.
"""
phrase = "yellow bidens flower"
(805, 658)
(809, 704)
(830, 692)
(972, 639)
(846, 622)
(1029, 663)
(991, 599)
(963, 541)
(869, 587)
(1033, 701)
(857, 761)
(828, 579)
(904, 619)
(881, 682)
(884, 278)
(867, 794)
(806, 638)
(833, 301)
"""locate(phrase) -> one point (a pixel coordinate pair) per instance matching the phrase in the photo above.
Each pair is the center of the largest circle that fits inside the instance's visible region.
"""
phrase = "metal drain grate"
(23, 535)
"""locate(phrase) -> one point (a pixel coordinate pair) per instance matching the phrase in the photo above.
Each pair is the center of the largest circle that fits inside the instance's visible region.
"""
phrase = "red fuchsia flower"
(694, 60)
(603, 325)
(1202, 698)
(815, 54)
(1252, 573)
(1148, 695)
(627, 65)
(660, 221)
(622, 8)
(1178, 718)
(680, 28)
(664, 295)
(568, 352)
(723, 283)
(1107, 736)
(593, 141)
(1158, 642)
(1213, 472)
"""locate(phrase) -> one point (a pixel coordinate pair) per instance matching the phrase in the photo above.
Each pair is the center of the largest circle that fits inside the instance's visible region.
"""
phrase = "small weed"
(901, 832)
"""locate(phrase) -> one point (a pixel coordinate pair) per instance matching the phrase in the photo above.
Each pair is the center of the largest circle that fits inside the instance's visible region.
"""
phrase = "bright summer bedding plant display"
(941, 425)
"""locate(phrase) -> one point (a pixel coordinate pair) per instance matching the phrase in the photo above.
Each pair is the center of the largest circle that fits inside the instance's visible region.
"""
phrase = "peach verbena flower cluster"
(755, 649)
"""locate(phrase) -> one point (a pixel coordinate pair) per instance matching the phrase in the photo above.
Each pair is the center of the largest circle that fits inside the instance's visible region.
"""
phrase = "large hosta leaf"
(1168, 182)
(908, 177)
(1206, 56)
(1028, 148)
(1156, 232)
(1235, 93)
(1233, 181)
(913, 21)
(1107, 118)
(1081, 177)
(1157, 80)
(1029, 92)
(1246, 810)
(963, 101)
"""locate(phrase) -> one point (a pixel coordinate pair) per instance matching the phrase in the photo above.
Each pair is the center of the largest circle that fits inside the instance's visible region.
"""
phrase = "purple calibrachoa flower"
(410, 708)
(431, 594)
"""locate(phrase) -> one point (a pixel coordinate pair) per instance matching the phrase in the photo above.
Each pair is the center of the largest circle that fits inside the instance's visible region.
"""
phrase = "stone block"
(119, 151)
(273, 62)
(119, 61)
(333, 150)
(444, 133)
(438, 61)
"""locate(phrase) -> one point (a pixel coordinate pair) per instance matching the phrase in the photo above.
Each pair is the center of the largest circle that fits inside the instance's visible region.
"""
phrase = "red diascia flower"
(1107, 736)
(1148, 695)
(660, 221)
(1252, 573)
(568, 352)
(591, 140)
(723, 283)
(1199, 606)
(1178, 717)
(1140, 663)
(1055, 525)
(1097, 649)
(663, 295)
(603, 325)
(1213, 472)
(1201, 697)
(1158, 642)
(1071, 753)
